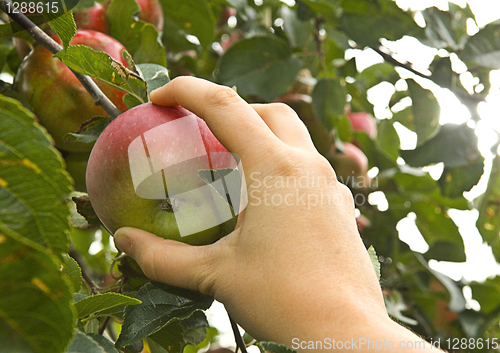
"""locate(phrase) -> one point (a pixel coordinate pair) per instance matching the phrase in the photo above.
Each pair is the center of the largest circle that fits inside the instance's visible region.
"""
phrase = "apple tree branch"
(43, 39)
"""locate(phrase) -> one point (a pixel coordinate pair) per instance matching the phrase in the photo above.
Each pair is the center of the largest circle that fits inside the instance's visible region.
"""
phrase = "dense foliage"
(56, 290)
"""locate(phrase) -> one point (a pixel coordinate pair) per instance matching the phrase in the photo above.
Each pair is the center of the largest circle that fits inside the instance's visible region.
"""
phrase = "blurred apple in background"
(57, 98)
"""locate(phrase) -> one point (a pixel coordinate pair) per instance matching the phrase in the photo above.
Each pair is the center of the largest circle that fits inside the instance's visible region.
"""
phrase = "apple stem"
(43, 39)
(237, 336)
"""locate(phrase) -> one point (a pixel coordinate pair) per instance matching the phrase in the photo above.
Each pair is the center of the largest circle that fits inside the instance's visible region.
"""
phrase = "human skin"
(294, 270)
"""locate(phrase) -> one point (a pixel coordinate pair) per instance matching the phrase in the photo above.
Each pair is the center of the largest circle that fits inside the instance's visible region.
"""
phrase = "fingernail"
(122, 242)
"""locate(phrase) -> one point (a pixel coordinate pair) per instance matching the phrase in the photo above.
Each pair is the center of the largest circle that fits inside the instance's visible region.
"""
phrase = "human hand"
(295, 265)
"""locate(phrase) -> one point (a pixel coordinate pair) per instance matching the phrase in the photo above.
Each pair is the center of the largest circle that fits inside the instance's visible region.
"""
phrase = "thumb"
(169, 261)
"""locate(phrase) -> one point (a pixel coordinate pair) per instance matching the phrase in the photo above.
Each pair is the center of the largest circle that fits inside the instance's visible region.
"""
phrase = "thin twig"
(237, 336)
(105, 323)
(43, 39)
(409, 66)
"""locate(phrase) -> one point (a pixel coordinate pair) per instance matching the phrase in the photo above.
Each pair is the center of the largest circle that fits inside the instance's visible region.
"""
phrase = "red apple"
(95, 17)
(92, 18)
(152, 12)
(143, 173)
(350, 166)
(363, 122)
(57, 98)
(226, 42)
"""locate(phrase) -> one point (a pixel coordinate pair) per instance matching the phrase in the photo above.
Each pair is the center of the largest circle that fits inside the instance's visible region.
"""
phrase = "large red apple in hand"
(58, 99)
(143, 173)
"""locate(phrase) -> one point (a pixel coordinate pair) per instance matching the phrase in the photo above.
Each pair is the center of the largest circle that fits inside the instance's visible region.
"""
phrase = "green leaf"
(376, 156)
(159, 305)
(457, 299)
(33, 182)
(13, 60)
(251, 64)
(140, 38)
(4, 53)
(155, 76)
(89, 131)
(170, 337)
(394, 303)
(86, 210)
(455, 180)
(366, 21)
(64, 26)
(298, 32)
(359, 100)
(103, 67)
(374, 74)
(484, 47)
(326, 8)
(417, 186)
(84, 4)
(454, 145)
(329, 98)
(106, 344)
(426, 111)
(211, 336)
(439, 29)
(440, 232)
(98, 302)
(188, 17)
(374, 260)
(344, 128)
(131, 101)
(73, 271)
(35, 299)
(487, 294)
(150, 49)
(13, 29)
(275, 347)
(388, 139)
(83, 343)
(488, 222)
(443, 74)
(195, 328)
